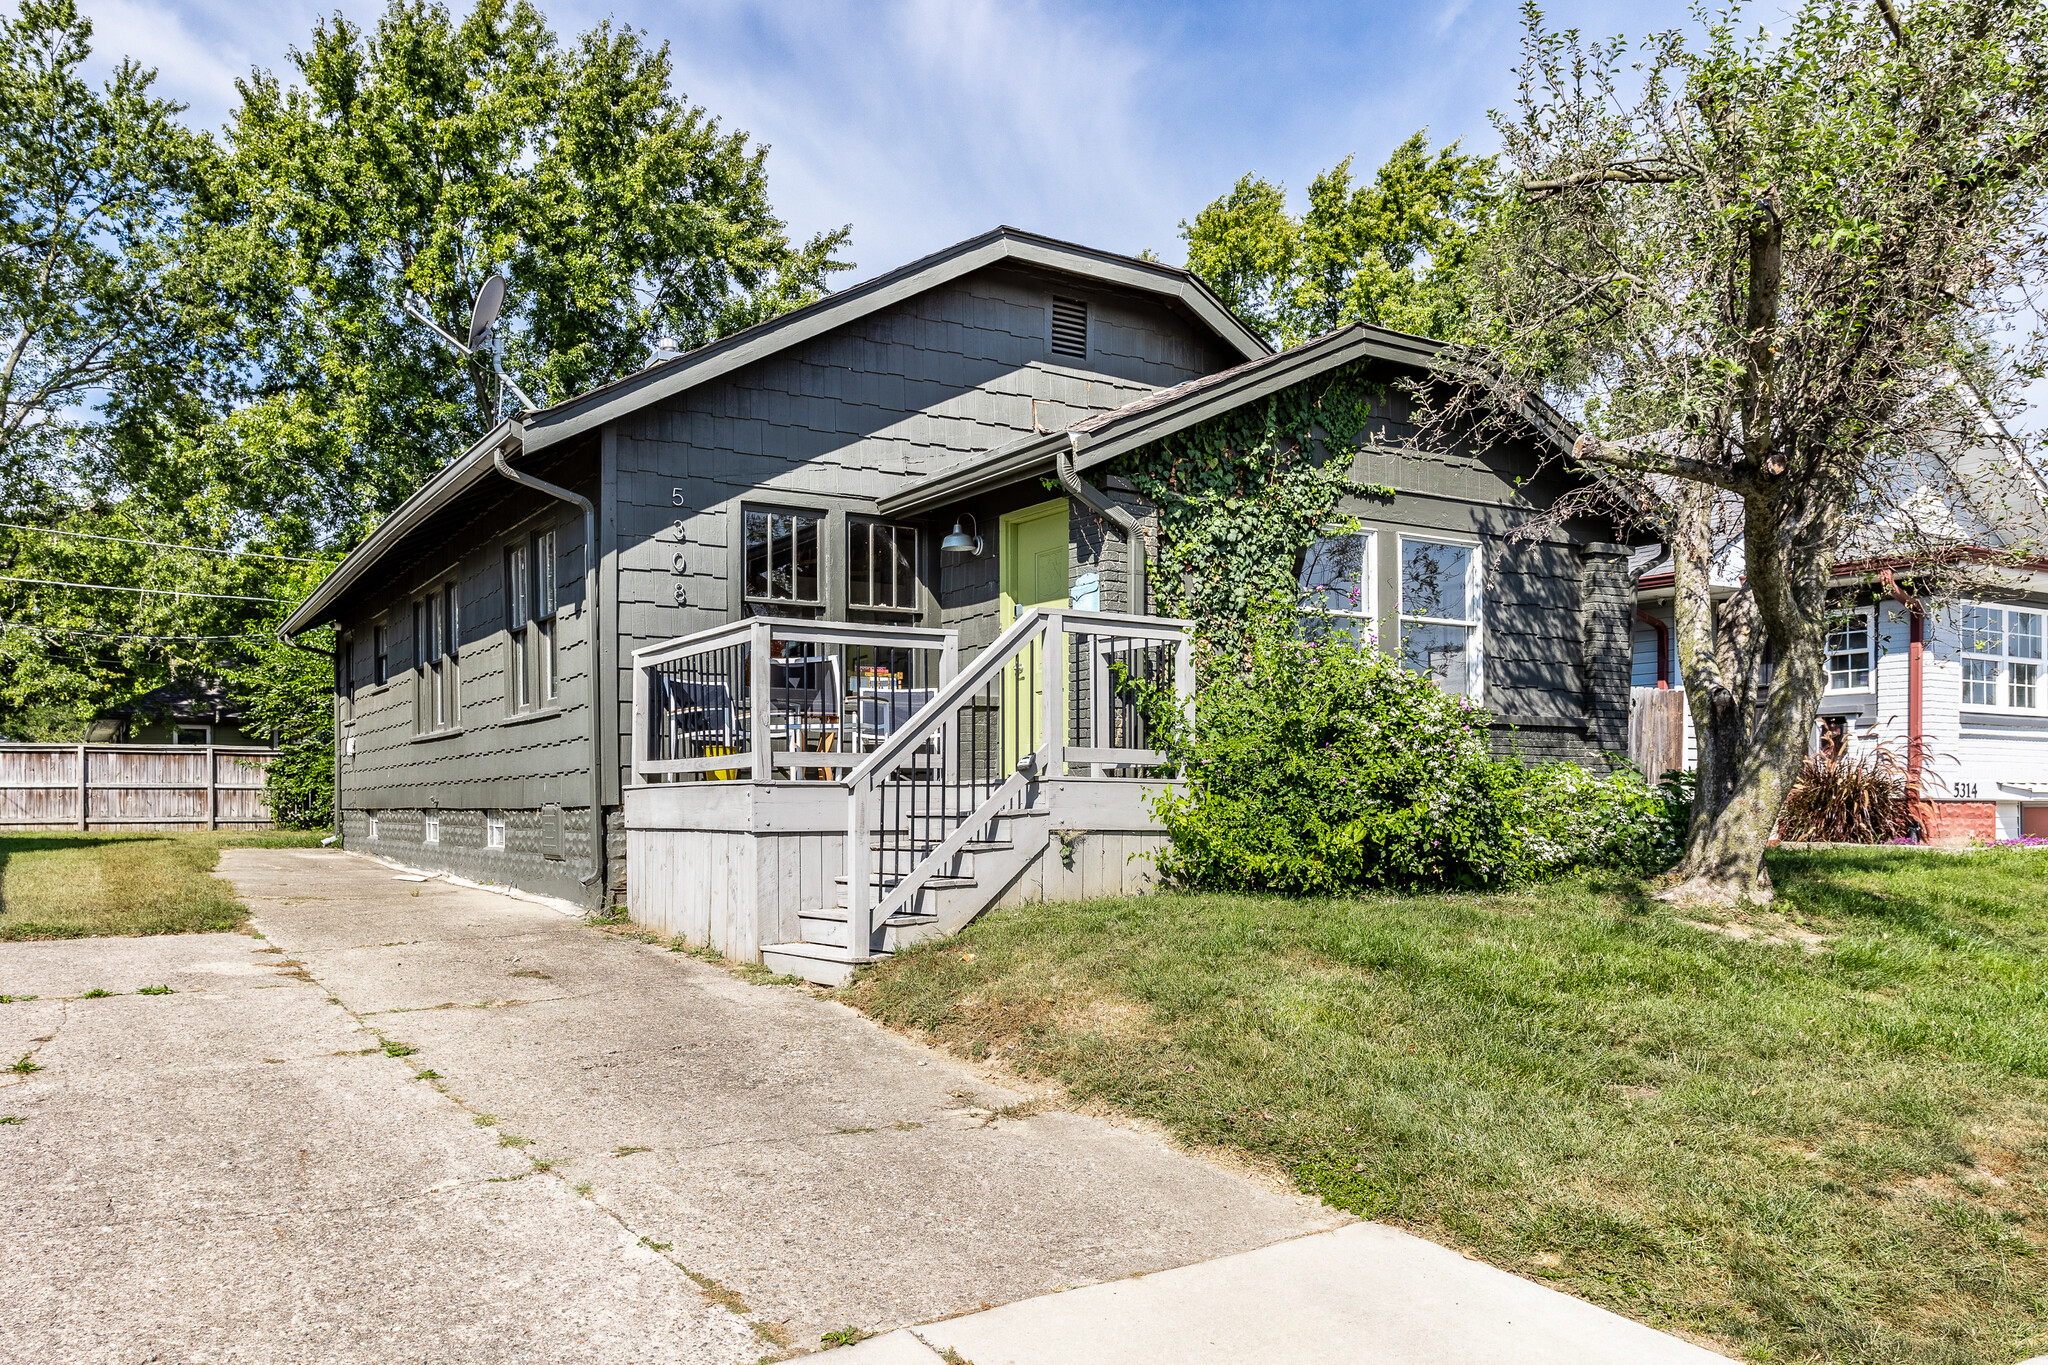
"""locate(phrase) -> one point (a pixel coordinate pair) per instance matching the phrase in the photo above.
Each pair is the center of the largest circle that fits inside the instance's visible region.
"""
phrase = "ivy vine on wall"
(1243, 494)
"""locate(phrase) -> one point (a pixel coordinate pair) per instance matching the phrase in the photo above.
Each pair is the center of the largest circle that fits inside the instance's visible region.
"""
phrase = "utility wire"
(158, 544)
(160, 592)
(119, 635)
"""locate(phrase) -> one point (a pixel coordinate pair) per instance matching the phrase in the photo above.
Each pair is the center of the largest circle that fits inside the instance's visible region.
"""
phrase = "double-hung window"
(1440, 612)
(530, 659)
(380, 637)
(1849, 654)
(781, 556)
(1337, 574)
(881, 566)
(518, 670)
(2001, 658)
(434, 628)
(546, 612)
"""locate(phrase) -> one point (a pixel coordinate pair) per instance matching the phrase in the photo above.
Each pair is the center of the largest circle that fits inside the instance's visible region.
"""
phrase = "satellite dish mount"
(490, 301)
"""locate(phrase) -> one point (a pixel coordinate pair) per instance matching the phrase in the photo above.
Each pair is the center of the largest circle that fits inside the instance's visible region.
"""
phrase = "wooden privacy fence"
(1656, 730)
(133, 786)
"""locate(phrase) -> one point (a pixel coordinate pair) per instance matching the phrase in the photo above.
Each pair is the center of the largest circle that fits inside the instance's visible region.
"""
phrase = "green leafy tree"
(413, 160)
(1757, 264)
(93, 181)
(1391, 252)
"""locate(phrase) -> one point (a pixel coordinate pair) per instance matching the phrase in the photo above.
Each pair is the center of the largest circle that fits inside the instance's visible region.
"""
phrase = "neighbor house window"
(782, 556)
(430, 828)
(370, 824)
(191, 734)
(494, 829)
(1337, 586)
(380, 644)
(881, 565)
(1849, 654)
(1440, 604)
(2001, 658)
(434, 627)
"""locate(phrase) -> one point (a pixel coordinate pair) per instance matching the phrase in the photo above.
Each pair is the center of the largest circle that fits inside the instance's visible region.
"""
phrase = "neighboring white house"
(1981, 709)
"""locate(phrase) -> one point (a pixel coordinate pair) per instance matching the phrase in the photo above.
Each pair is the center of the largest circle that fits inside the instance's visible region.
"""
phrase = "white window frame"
(1868, 616)
(494, 829)
(430, 827)
(370, 821)
(2004, 666)
(820, 526)
(1367, 614)
(1474, 620)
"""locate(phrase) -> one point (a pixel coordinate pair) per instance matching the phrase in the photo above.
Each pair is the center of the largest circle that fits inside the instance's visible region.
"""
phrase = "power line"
(158, 544)
(160, 592)
(119, 635)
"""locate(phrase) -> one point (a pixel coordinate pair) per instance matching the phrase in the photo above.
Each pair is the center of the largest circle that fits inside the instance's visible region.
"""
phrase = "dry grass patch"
(1829, 1152)
(55, 885)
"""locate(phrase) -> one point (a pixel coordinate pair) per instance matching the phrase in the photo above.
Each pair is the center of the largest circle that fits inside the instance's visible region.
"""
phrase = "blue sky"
(921, 122)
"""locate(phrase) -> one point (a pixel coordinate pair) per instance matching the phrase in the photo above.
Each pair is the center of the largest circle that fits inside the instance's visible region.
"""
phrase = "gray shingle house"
(666, 640)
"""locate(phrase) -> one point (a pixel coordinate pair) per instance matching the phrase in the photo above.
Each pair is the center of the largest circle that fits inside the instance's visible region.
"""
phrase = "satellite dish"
(489, 300)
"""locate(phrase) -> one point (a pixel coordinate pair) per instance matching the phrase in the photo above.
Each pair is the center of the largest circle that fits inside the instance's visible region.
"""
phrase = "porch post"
(860, 925)
(1184, 678)
(1055, 734)
(642, 713)
(760, 742)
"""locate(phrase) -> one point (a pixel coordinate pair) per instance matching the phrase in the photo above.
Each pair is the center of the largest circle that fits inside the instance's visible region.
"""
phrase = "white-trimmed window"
(430, 828)
(1440, 612)
(2002, 656)
(370, 824)
(1851, 649)
(1337, 576)
(494, 829)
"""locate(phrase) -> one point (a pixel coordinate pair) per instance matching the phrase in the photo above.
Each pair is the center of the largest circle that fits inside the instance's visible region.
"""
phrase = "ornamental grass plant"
(1839, 799)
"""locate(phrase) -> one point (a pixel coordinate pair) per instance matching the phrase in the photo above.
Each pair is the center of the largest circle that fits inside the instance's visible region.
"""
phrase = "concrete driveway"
(625, 1155)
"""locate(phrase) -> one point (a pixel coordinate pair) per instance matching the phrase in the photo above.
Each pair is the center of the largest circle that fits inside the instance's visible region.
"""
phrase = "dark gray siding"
(495, 759)
(831, 425)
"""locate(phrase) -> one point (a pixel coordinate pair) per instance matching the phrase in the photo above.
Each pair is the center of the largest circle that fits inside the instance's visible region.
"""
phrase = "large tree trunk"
(1750, 726)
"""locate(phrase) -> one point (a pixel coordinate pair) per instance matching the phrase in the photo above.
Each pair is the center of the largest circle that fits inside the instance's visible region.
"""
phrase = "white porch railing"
(780, 700)
(1053, 697)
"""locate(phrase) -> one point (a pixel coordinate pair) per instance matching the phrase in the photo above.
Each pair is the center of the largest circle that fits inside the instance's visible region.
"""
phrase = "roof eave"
(454, 478)
(1020, 460)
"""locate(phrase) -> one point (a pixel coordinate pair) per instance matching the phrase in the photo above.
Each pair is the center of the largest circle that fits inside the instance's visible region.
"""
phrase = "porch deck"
(814, 794)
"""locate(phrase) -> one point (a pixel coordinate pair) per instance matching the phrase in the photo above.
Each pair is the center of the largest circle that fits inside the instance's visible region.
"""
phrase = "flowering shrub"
(1317, 766)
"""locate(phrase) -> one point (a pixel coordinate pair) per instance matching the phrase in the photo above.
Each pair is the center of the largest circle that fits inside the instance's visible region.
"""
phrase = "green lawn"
(55, 885)
(1832, 1155)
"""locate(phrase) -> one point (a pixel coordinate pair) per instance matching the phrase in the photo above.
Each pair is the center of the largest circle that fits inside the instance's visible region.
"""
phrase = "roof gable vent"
(1069, 328)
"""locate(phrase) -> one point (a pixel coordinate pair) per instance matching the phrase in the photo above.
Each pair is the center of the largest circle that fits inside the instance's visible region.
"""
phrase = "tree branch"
(1592, 450)
(1648, 172)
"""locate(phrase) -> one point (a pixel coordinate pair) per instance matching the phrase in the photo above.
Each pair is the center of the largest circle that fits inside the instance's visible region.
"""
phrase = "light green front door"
(1033, 570)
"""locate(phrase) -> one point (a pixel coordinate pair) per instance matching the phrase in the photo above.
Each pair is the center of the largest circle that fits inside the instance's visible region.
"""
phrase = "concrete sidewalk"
(1360, 1295)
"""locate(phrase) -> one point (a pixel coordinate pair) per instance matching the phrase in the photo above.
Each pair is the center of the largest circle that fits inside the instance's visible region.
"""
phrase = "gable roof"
(665, 379)
(1106, 435)
(535, 431)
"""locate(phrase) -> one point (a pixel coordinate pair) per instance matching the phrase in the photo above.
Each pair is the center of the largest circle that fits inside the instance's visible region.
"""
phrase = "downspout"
(594, 634)
(1126, 525)
(333, 662)
(1663, 645)
(1916, 639)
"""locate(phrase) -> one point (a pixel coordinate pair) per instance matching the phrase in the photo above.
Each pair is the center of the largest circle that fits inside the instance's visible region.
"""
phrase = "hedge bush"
(1316, 766)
